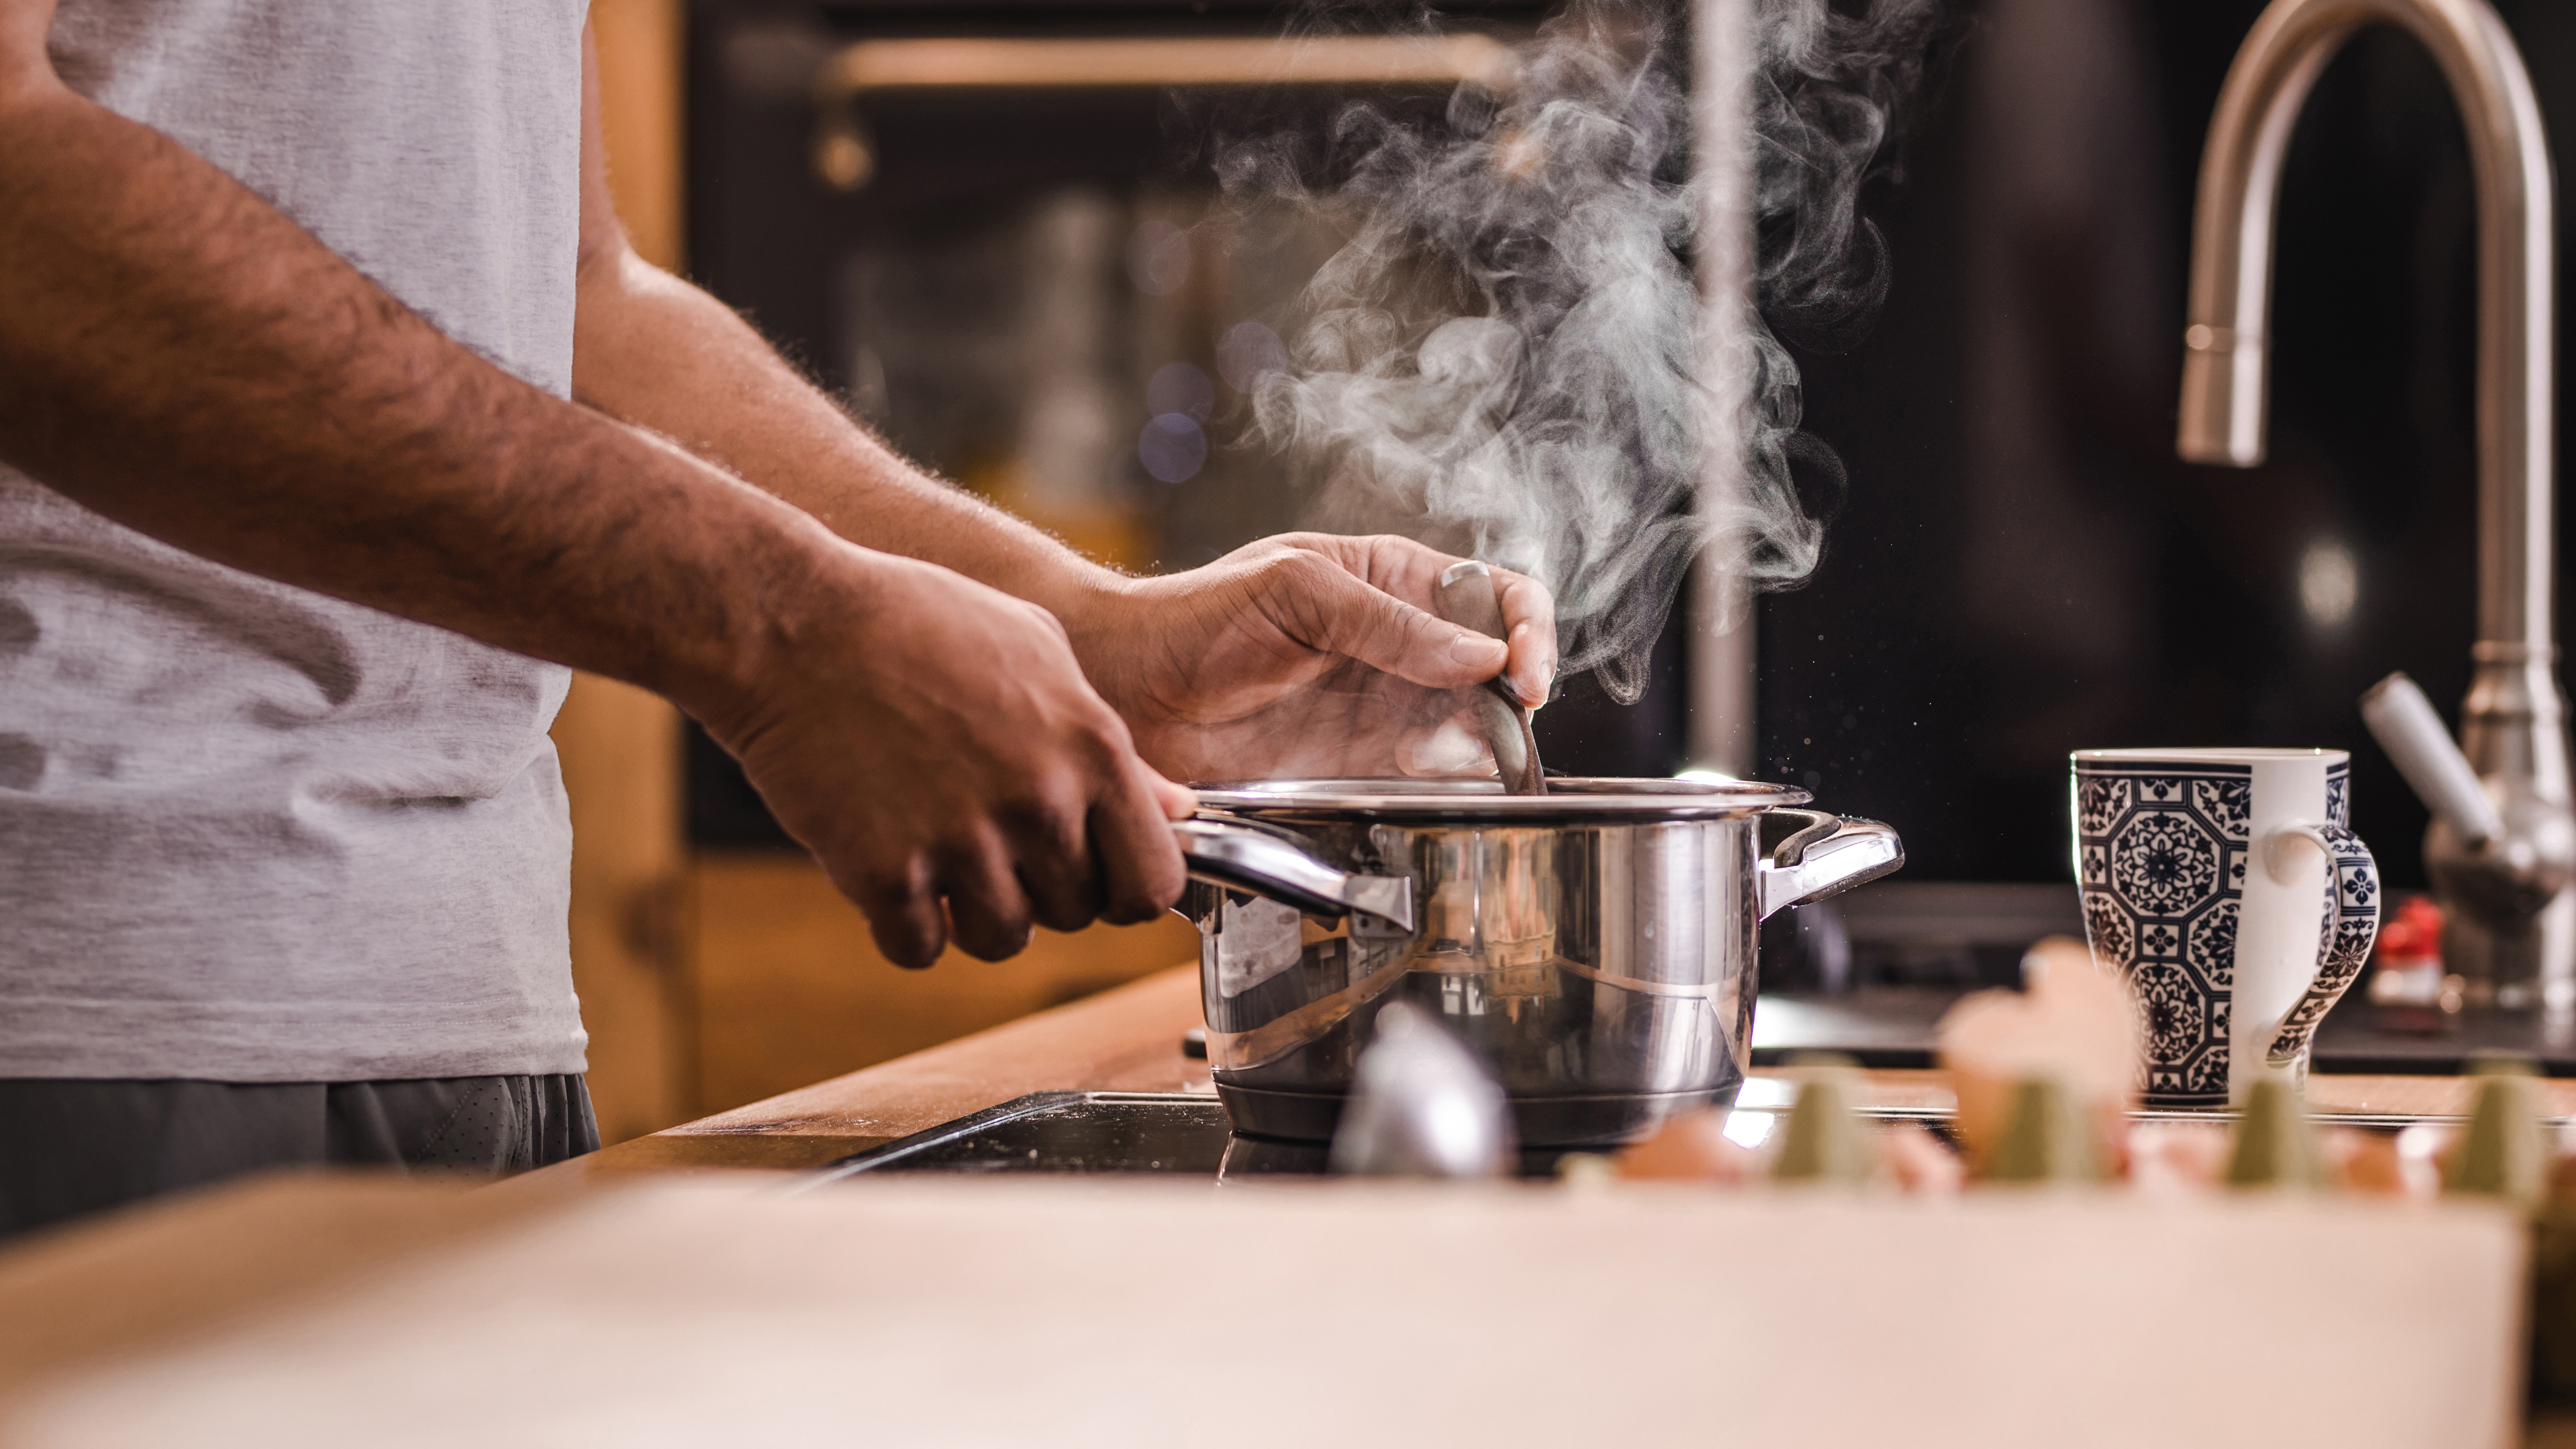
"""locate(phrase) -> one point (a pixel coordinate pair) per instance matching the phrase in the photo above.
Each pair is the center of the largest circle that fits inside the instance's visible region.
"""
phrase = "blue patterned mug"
(2229, 889)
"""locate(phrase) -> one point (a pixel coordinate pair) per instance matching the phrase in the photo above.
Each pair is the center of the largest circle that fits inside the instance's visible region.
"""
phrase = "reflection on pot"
(1580, 962)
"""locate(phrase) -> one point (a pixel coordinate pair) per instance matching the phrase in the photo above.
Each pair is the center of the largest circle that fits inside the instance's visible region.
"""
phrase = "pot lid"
(1568, 798)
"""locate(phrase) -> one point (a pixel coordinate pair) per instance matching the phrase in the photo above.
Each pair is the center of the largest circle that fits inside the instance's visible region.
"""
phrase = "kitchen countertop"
(1129, 1040)
(191, 1269)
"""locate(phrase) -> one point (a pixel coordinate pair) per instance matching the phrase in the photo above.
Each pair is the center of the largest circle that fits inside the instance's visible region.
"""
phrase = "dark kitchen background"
(2024, 568)
(2020, 567)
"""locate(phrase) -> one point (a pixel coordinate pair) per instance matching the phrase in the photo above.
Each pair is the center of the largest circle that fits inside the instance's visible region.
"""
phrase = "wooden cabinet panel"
(712, 982)
(790, 990)
(620, 749)
(620, 746)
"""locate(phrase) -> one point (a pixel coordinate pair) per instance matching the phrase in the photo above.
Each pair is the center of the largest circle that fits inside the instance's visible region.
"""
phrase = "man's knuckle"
(1038, 802)
(1308, 569)
(1098, 746)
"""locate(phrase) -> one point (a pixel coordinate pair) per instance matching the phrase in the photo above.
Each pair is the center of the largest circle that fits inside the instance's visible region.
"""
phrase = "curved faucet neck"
(2226, 361)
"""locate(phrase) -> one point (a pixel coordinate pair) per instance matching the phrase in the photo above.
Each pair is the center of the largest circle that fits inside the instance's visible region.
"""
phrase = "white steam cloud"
(1503, 358)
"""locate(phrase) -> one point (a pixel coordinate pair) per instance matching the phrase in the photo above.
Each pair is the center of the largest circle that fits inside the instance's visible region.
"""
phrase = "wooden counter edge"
(1125, 1039)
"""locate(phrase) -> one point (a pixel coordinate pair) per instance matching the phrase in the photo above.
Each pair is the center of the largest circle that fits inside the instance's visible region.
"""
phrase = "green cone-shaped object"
(1825, 1140)
(2276, 1144)
(2046, 1139)
(2504, 1151)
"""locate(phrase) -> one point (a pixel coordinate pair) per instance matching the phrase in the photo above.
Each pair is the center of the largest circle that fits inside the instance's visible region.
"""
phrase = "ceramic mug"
(2228, 887)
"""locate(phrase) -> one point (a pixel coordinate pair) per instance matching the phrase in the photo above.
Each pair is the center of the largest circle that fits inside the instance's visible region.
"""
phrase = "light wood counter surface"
(193, 1268)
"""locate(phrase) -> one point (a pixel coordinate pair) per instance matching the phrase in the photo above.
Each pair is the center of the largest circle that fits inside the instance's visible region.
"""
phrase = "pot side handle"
(1830, 856)
(1278, 868)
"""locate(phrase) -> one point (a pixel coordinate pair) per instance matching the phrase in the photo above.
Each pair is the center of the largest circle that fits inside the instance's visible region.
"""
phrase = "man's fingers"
(904, 917)
(1401, 566)
(1062, 889)
(1408, 572)
(1329, 608)
(1140, 864)
(986, 908)
(1529, 619)
(1051, 854)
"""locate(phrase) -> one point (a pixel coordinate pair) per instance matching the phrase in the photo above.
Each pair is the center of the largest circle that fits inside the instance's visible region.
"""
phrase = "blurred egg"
(1692, 1147)
(1919, 1161)
(2176, 1158)
(2369, 1162)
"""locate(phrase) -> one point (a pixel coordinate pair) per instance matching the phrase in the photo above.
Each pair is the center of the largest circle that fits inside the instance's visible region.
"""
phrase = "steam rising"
(1504, 359)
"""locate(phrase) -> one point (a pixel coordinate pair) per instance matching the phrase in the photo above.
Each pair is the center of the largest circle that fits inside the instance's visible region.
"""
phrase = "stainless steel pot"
(1594, 945)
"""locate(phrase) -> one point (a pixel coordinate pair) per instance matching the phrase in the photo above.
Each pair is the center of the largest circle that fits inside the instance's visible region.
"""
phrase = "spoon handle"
(1468, 600)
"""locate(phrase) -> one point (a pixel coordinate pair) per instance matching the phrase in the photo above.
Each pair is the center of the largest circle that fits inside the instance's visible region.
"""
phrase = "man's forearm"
(177, 355)
(664, 355)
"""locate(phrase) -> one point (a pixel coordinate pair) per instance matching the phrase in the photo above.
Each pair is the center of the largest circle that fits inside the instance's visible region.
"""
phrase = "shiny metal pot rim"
(1569, 799)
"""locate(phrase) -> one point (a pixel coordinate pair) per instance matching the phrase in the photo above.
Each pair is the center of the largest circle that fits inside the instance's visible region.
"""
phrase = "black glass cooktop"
(1186, 1134)
(1182, 1133)
(1108, 1132)
(1066, 1132)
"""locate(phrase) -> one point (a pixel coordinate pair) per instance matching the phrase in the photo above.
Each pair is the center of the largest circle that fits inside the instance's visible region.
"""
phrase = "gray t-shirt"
(249, 833)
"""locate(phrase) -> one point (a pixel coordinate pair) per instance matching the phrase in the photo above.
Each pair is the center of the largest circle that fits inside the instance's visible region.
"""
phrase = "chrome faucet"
(2514, 923)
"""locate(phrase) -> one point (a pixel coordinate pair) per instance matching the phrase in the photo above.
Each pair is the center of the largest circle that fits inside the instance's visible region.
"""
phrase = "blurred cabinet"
(631, 943)
(621, 746)
(789, 989)
(708, 981)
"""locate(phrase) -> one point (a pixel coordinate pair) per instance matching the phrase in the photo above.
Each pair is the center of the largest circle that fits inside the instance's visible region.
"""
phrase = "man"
(337, 418)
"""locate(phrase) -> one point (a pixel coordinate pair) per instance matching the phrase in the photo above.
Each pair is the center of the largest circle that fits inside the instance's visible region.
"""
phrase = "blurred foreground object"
(1661, 1317)
(2504, 1151)
(2048, 1137)
(2073, 1025)
(1421, 1105)
(1692, 1147)
(2276, 1145)
(1825, 1140)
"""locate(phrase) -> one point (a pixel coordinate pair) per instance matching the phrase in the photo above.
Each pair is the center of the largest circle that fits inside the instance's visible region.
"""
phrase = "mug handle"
(2343, 943)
